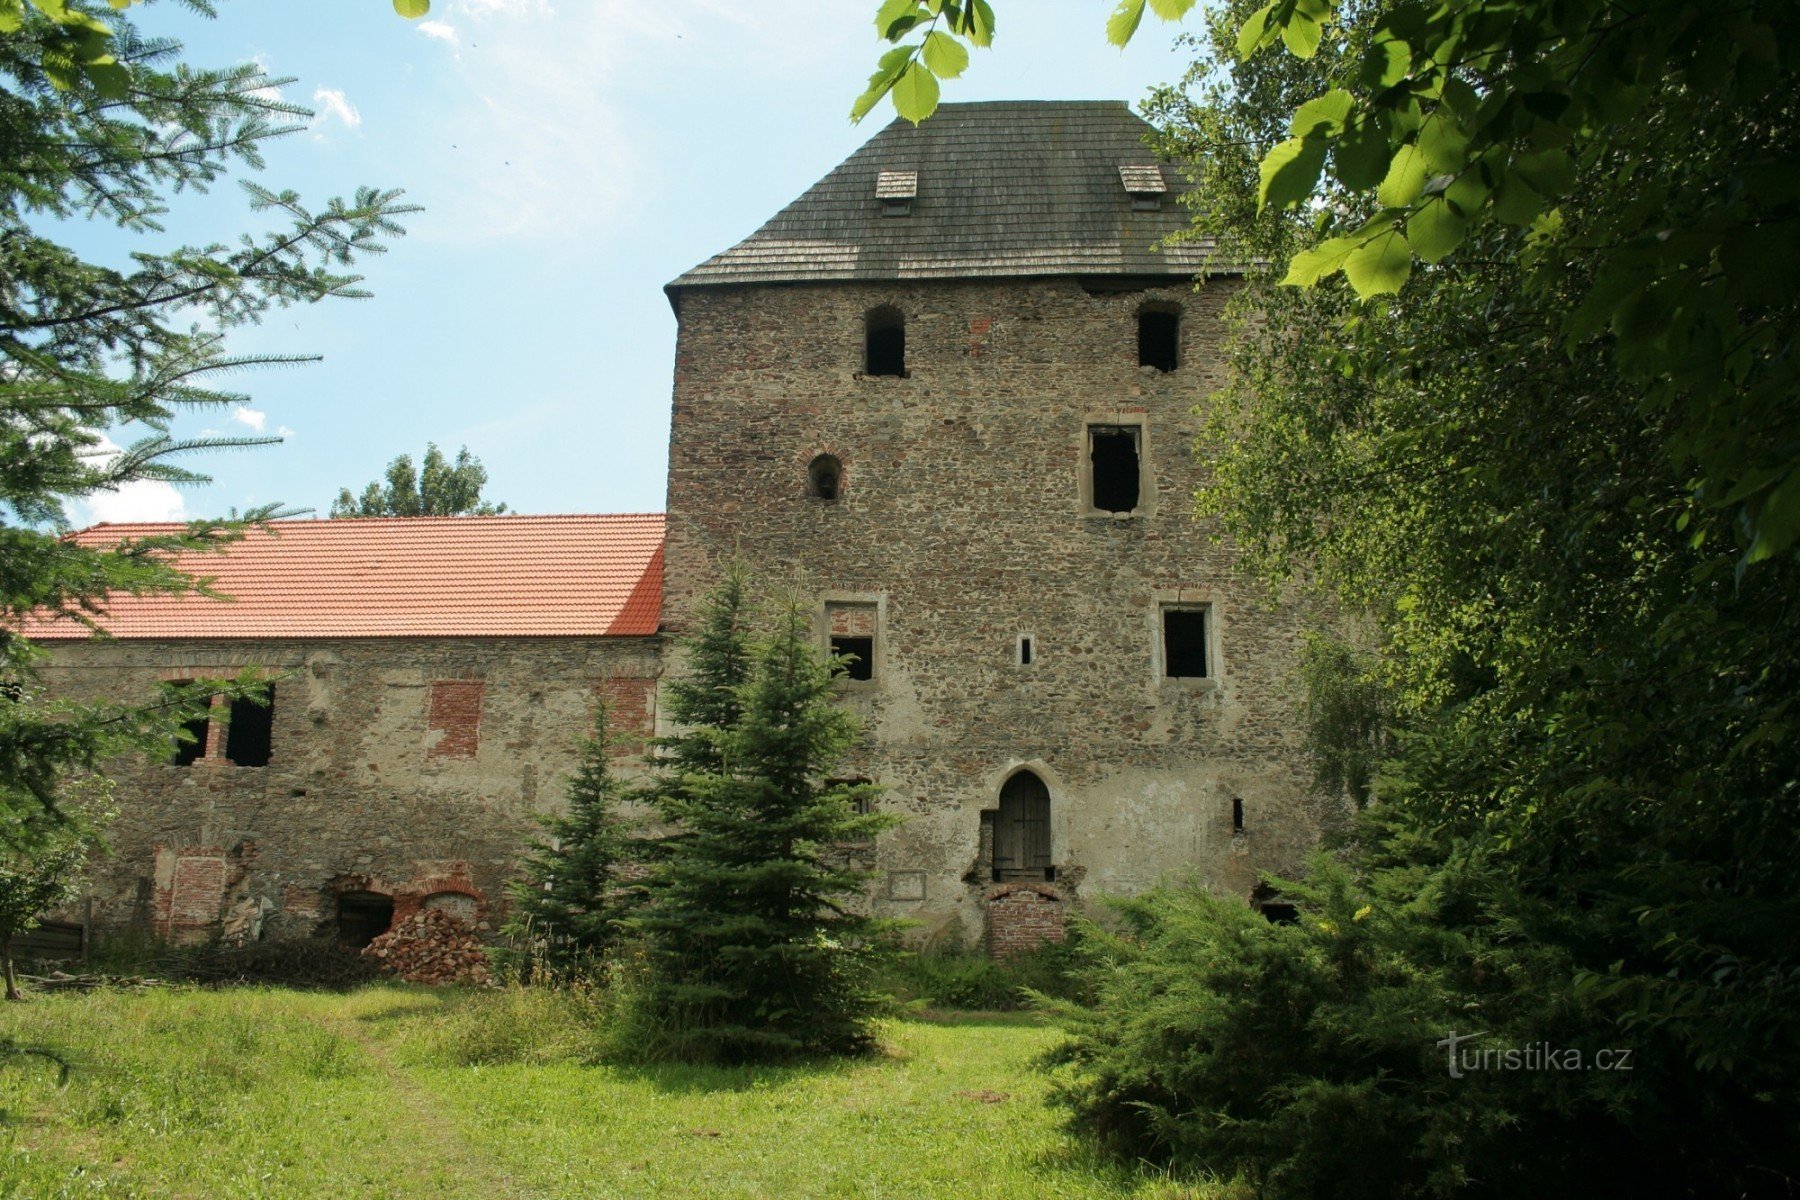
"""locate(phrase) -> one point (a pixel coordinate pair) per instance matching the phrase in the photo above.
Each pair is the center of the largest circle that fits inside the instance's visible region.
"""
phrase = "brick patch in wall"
(454, 715)
(1023, 916)
(632, 712)
(188, 889)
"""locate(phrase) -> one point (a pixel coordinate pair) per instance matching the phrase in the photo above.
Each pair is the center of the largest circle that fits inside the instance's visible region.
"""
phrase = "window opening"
(1184, 643)
(850, 631)
(1274, 909)
(825, 477)
(885, 348)
(1113, 452)
(1027, 651)
(1159, 338)
(362, 917)
(250, 736)
(1237, 816)
(861, 653)
(1022, 830)
(187, 753)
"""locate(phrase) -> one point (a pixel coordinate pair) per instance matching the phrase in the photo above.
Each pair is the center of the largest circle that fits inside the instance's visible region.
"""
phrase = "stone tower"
(953, 384)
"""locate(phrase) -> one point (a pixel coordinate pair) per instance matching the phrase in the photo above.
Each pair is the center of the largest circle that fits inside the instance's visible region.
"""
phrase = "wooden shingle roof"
(515, 576)
(1028, 188)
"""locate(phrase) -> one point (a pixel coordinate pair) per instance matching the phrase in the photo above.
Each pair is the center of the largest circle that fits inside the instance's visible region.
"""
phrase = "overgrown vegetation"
(949, 976)
(303, 963)
(1582, 832)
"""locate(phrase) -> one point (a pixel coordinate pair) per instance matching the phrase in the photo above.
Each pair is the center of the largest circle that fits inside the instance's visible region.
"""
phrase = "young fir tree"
(753, 949)
(571, 895)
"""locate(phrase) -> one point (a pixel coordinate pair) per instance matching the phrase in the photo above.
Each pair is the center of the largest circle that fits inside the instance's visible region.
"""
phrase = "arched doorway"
(362, 917)
(1022, 830)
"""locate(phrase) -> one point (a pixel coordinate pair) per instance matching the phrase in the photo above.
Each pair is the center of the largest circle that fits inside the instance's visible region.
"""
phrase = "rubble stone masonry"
(964, 522)
(407, 767)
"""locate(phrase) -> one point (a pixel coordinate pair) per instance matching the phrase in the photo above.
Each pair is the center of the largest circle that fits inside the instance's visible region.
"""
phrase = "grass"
(394, 1091)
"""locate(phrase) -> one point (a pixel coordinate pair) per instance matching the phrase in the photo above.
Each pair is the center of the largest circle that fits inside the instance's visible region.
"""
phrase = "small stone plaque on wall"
(906, 885)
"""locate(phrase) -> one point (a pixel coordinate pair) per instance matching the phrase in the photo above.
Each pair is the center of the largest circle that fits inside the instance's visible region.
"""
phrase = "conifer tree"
(571, 895)
(754, 950)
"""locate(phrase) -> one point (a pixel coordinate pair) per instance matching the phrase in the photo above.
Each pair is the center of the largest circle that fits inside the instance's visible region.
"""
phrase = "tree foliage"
(755, 949)
(41, 863)
(440, 489)
(100, 124)
(1583, 827)
(572, 894)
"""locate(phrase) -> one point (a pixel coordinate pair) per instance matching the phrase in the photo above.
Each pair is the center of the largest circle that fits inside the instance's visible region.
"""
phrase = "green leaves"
(1124, 22)
(412, 10)
(1380, 264)
(909, 74)
(915, 93)
(1290, 172)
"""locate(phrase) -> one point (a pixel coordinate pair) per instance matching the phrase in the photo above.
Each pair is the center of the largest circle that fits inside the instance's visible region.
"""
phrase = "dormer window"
(1144, 183)
(896, 190)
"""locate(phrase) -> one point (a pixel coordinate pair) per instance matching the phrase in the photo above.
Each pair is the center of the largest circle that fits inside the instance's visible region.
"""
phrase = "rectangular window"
(1184, 643)
(1114, 455)
(850, 631)
(191, 748)
(250, 735)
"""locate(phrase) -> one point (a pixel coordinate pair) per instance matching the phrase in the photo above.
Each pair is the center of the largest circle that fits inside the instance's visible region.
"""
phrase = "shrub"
(949, 975)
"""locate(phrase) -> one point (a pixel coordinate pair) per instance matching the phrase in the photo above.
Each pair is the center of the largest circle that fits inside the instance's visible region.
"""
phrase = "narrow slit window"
(1237, 816)
(1027, 649)
(1113, 455)
(1184, 643)
(250, 736)
(1159, 338)
(885, 347)
(825, 477)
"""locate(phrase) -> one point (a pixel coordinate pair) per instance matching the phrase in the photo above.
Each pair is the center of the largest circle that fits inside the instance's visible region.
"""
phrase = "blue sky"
(572, 158)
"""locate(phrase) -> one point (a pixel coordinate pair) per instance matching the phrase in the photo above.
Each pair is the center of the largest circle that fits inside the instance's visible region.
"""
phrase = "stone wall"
(964, 520)
(408, 768)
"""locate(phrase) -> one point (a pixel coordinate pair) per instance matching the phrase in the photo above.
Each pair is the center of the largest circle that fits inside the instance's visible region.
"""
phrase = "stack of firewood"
(432, 947)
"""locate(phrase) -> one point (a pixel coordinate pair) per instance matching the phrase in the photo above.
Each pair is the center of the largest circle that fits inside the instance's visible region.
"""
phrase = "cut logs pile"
(432, 947)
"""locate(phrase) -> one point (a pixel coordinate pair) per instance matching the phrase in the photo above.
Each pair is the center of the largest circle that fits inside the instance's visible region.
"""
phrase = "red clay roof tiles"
(517, 576)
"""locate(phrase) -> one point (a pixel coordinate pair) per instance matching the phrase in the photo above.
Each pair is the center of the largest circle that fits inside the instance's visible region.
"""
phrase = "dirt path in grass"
(440, 1146)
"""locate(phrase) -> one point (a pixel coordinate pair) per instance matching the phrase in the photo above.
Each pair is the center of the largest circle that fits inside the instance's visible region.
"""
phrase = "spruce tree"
(571, 892)
(754, 950)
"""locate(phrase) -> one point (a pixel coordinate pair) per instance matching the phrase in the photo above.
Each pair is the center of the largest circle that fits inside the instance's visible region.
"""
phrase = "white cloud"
(332, 104)
(283, 431)
(443, 31)
(139, 500)
(245, 415)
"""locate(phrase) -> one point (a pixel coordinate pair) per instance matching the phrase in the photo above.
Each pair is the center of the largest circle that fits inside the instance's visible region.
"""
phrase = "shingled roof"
(1007, 189)
(517, 576)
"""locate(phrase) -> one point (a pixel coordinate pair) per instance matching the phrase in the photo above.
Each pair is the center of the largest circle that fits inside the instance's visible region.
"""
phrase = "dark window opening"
(190, 748)
(861, 653)
(249, 736)
(1113, 451)
(1184, 643)
(864, 801)
(1274, 909)
(1237, 816)
(362, 917)
(1022, 830)
(825, 477)
(1026, 651)
(1159, 338)
(886, 346)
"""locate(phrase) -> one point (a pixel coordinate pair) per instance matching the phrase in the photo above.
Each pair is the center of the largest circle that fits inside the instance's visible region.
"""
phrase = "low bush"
(950, 975)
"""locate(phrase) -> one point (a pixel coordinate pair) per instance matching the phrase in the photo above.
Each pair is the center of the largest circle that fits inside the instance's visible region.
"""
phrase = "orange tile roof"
(559, 576)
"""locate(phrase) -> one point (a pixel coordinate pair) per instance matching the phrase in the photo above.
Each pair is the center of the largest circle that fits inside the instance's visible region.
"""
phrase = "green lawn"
(402, 1092)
